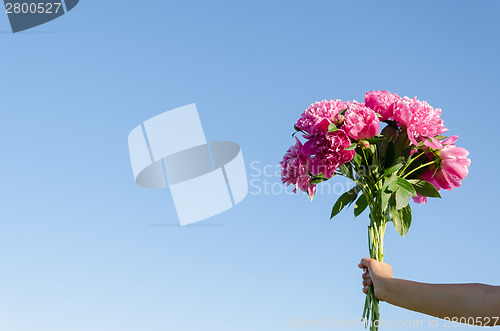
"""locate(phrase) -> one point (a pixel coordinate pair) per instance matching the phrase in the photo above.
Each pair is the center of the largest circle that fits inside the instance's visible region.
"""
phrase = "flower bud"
(364, 144)
(339, 120)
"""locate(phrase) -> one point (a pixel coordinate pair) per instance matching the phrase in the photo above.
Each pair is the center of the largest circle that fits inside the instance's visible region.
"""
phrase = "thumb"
(365, 263)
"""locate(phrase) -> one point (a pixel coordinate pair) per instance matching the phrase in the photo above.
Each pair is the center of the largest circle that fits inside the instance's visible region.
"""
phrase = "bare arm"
(475, 302)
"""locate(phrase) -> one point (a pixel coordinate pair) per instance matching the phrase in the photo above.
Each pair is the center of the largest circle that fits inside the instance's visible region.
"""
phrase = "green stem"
(420, 167)
(376, 232)
(364, 156)
(406, 166)
(368, 167)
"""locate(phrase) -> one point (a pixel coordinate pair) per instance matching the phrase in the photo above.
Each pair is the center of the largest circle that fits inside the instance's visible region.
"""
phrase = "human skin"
(478, 304)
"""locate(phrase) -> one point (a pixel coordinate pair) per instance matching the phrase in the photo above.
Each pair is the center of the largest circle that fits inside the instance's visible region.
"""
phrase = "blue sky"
(82, 247)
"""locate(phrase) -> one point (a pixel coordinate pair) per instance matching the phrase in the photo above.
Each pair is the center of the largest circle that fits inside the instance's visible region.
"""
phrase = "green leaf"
(389, 154)
(297, 130)
(393, 169)
(393, 185)
(402, 199)
(345, 199)
(407, 151)
(401, 159)
(403, 184)
(388, 182)
(425, 188)
(357, 159)
(332, 127)
(385, 196)
(407, 186)
(375, 140)
(317, 180)
(401, 219)
(346, 169)
(360, 205)
(350, 148)
(401, 143)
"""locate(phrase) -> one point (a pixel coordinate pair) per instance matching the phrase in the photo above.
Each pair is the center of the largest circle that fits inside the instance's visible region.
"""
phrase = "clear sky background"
(82, 247)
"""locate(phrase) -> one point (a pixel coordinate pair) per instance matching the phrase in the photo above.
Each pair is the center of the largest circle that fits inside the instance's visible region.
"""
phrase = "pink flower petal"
(420, 199)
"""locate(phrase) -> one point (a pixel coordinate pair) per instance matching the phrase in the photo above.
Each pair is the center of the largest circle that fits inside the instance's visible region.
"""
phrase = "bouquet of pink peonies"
(408, 158)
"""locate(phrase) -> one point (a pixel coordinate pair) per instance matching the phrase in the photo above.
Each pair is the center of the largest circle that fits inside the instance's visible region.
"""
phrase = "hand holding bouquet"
(409, 157)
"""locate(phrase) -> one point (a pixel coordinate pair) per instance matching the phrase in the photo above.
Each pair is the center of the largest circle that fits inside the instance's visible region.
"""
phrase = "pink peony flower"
(360, 122)
(329, 152)
(295, 168)
(319, 115)
(454, 165)
(452, 171)
(382, 102)
(421, 120)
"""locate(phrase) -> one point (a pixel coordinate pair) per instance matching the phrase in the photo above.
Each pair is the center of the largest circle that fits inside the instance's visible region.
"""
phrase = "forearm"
(446, 300)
